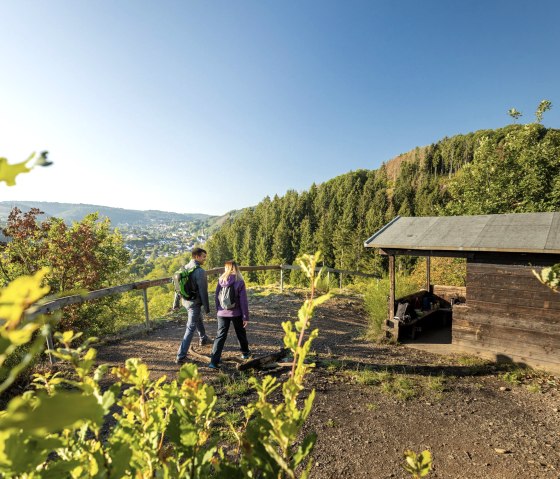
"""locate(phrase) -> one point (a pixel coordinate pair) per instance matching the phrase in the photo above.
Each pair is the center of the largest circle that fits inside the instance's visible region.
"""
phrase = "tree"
(519, 173)
(86, 255)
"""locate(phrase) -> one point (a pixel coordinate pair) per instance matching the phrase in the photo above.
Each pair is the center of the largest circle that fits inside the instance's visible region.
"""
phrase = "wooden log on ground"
(258, 363)
(200, 357)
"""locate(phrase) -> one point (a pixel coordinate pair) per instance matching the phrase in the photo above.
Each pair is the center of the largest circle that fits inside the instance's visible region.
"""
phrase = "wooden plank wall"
(448, 292)
(509, 314)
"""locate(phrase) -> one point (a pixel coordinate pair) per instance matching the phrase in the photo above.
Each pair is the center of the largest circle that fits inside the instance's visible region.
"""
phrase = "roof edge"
(377, 233)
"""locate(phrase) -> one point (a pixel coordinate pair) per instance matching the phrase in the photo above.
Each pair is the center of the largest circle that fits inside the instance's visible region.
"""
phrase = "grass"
(402, 387)
(372, 378)
(514, 377)
(535, 381)
(233, 386)
(334, 365)
(237, 386)
(436, 385)
(534, 388)
(394, 384)
(330, 423)
(399, 385)
(233, 417)
(472, 361)
(476, 365)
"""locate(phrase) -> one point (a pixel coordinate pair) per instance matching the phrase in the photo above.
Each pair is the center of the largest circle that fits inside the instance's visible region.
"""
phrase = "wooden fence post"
(50, 347)
(281, 279)
(146, 312)
(340, 280)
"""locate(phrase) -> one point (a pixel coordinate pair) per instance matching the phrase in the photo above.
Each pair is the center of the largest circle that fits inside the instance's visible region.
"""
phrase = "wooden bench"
(427, 318)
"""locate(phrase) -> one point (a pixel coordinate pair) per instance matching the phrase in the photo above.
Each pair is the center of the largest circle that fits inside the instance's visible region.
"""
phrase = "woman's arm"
(243, 303)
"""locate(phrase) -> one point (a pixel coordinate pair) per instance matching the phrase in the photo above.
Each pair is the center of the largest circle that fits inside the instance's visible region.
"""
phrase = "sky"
(209, 106)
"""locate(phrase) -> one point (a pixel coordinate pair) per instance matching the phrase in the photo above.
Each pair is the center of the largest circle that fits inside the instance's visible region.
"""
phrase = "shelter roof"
(514, 232)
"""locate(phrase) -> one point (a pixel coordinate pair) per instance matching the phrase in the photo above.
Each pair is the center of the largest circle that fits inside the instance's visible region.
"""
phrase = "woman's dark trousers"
(223, 328)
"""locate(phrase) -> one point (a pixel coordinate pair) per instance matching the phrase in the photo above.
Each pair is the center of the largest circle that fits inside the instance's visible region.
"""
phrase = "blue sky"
(208, 106)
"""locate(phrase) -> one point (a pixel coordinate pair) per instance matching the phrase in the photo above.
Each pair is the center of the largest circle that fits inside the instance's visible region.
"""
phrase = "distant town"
(162, 239)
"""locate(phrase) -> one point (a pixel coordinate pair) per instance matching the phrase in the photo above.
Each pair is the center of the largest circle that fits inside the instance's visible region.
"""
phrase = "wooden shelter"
(507, 314)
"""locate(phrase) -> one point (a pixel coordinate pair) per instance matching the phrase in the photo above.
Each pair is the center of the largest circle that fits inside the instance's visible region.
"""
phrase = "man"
(194, 307)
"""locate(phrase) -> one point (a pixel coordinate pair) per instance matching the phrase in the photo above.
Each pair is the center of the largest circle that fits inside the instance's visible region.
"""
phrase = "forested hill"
(119, 216)
(511, 169)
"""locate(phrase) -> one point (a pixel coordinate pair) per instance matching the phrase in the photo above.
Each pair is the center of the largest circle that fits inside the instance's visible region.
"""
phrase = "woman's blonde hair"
(231, 267)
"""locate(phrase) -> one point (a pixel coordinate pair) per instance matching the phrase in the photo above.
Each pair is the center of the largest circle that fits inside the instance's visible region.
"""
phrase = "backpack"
(183, 284)
(226, 297)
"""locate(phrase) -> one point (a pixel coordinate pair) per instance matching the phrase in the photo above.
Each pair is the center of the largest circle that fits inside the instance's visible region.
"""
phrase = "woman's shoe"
(245, 355)
(213, 366)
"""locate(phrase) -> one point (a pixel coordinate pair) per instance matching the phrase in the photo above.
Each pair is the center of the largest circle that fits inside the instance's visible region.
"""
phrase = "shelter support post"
(428, 270)
(282, 280)
(392, 325)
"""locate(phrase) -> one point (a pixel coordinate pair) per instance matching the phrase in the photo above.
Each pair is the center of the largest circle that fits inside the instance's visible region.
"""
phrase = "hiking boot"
(180, 361)
(203, 341)
(245, 355)
(213, 366)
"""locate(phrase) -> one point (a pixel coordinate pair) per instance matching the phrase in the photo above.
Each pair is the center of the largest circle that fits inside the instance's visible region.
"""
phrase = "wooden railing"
(56, 304)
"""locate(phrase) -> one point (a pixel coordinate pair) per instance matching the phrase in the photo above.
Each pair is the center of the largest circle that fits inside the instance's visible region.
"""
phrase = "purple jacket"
(241, 306)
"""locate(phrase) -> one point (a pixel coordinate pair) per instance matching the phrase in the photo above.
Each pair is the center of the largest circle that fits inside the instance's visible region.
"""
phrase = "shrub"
(376, 302)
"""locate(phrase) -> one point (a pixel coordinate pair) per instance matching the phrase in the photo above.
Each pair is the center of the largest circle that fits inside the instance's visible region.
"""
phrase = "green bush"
(376, 302)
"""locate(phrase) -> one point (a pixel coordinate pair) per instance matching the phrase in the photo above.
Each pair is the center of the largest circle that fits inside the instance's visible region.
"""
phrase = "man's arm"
(176, 301)
(202, 283)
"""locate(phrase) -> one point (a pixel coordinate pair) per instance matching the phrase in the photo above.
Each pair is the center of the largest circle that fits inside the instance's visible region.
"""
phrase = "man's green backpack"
(182, 283)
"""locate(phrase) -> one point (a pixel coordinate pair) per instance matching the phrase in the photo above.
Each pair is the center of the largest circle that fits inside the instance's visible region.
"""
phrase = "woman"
(232, 307)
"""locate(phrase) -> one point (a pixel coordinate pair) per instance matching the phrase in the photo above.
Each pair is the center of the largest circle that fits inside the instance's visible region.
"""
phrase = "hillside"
(118, 216)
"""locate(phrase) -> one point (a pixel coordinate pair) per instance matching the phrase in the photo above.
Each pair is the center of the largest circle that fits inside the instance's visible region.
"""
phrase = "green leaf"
(189, 435)
(110, 397)
(20, 454)
(304, 449)
(60, 469)
(9, 172)
(52, 413)
(121, 453)
(173, 430)
(418, 464)
(321, 299)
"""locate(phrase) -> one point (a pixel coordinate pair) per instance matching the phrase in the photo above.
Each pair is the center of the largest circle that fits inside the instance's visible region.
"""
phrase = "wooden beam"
(431, 252)
(59, 303)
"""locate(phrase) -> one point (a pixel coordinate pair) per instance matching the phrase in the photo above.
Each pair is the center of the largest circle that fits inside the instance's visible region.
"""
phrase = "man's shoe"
(213, 366)
(245, 355)
(203, 341)
(180, 361)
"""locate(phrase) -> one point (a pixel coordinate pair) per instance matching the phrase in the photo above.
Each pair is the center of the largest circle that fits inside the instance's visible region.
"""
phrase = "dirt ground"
(375, 401)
